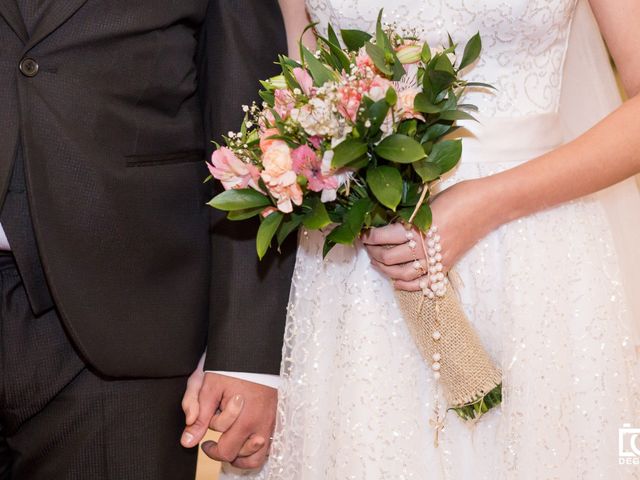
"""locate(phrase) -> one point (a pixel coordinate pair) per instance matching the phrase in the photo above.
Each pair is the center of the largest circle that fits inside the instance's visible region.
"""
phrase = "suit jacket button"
(29, 67)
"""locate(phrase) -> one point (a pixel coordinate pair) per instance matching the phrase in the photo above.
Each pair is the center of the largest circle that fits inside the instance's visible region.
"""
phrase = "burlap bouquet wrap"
(466, 371)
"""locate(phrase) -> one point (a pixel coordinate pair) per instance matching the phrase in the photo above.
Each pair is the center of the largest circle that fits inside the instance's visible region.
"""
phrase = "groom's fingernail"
(187, 438)
(238, 400)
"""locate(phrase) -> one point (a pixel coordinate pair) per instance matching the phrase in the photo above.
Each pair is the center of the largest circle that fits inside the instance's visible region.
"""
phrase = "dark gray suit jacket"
(115, 108)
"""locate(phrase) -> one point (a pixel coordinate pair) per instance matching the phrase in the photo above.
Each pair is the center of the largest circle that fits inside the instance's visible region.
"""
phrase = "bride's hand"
(463, 213)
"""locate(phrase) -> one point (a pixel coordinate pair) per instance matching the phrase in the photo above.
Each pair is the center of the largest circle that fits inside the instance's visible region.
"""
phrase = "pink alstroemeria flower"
(283, 103)
(304, 80)
(266, 120)
(232, 172)
(307, 162)
(316, 141)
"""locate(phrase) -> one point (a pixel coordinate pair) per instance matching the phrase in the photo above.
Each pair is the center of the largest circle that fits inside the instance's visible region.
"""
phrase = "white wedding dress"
(550, 295)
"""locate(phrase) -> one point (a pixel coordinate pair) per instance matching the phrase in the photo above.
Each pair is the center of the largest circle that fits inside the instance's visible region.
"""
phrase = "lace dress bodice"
(524, 42)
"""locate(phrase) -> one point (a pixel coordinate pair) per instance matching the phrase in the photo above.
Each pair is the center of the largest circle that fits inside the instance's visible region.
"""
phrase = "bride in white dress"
(549, 290)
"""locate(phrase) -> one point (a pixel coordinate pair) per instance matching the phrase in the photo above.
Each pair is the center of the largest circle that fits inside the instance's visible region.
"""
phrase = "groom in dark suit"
(114, 275)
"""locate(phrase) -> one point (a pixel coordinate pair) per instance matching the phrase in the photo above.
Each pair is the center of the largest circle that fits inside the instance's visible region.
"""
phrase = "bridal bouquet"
(350, 138)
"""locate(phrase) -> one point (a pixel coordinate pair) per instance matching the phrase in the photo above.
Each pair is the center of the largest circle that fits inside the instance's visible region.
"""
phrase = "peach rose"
(277, 160)
(406, 99)
(286, 191)
(265, 141)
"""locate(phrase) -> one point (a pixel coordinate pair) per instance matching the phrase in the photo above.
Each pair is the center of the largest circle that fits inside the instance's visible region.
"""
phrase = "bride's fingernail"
(238, 400)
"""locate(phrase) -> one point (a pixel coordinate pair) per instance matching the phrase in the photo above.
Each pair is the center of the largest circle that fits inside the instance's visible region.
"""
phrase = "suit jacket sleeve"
(239, 43)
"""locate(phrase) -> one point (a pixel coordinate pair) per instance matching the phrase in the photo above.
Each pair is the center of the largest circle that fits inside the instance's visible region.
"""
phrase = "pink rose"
(284, 102)
(231, 171)
(265, 141)
(307, 162)
(304, 80)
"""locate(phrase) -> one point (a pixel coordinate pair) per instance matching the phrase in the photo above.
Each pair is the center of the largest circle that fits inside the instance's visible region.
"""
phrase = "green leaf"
(471, 51)
(443, 64)
(381, 38)
(400, 148)
(423, 218)
(333, 38)
(480, 85)
(320, 73)
(244, 214)
(354, 39)
(456, 115)
(348, 151)
(266, 232)
(391, 96)
(386, 184)
(268, 97)
(408, 127)
(411, 193)
(352, 223)
(317, 217)
(435, 131)
(285, 62)
(340, 59)
(440, 80)
(376, 113)
(427, 170)
(423, 104)
(327, 247)
(342, 234)
(446, 155)
(287, 227)
(377, 55)
(398, 69)
(426, 53)
(239, 199)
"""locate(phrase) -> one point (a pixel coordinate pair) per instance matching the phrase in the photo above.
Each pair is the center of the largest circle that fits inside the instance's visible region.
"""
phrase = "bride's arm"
(603, 156)
(296, 18)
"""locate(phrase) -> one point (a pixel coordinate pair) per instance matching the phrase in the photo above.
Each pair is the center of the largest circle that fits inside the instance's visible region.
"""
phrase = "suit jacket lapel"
(11, 13)
(56, 13)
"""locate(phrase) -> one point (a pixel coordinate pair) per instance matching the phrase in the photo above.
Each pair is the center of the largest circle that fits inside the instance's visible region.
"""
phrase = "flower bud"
(278, 82)
(409, 53)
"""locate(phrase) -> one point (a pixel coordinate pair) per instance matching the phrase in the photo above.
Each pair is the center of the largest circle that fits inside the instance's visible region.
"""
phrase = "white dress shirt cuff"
(267, 380)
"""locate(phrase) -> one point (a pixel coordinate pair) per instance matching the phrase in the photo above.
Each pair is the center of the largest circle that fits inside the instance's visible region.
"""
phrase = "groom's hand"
(246, 417)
